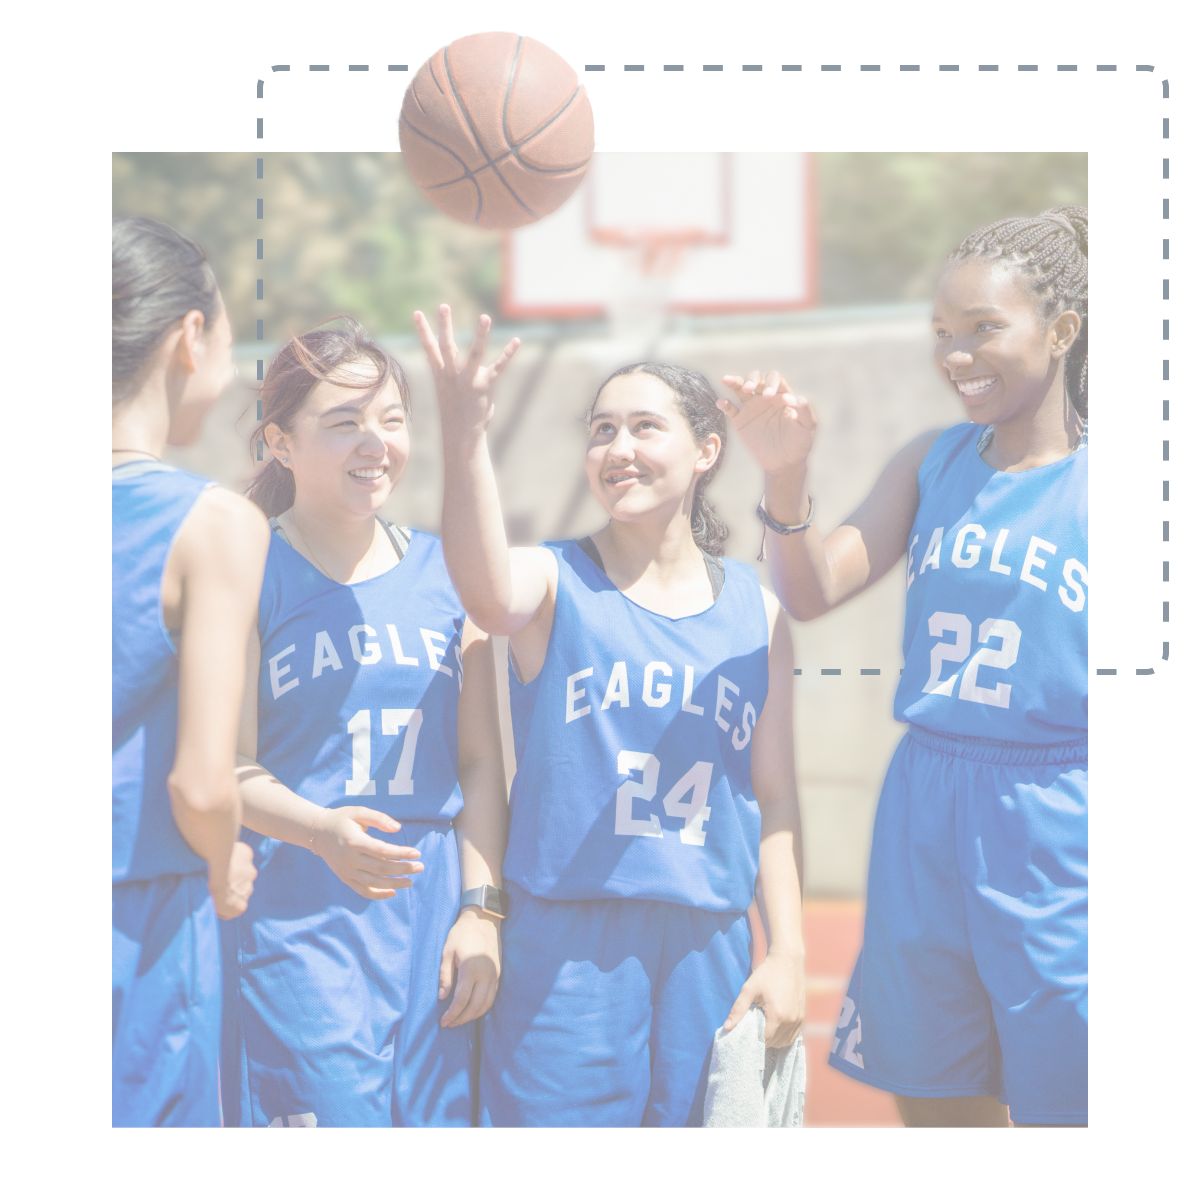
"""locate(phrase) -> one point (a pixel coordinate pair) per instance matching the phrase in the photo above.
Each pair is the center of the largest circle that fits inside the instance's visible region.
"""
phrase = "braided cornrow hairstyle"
(1052, 250)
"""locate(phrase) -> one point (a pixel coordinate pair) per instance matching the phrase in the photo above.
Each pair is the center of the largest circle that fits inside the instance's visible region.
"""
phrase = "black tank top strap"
(277, 528)
(589, 548)
(716, 568)
(400, 536)
(716, 572)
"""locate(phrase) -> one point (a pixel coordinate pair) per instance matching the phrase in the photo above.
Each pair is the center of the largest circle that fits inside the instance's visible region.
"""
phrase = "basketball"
(496, 130)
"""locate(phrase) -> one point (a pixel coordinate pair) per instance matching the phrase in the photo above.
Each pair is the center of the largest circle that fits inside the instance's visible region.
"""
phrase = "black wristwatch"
(492, 900)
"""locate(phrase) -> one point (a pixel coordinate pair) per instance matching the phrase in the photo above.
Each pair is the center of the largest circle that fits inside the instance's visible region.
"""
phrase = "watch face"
(494, 901)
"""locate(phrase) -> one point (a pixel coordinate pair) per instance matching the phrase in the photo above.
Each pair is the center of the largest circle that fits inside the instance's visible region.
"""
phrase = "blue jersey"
(332, 1005)
(359, 683)
(150, 503)
(995, 631)
(633, 747)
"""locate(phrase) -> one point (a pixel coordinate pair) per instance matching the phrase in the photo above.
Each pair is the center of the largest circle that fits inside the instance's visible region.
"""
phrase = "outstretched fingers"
(446, 337)
(428, 341)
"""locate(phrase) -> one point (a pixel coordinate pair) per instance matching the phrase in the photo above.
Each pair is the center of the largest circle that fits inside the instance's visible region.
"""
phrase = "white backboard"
(749, 219)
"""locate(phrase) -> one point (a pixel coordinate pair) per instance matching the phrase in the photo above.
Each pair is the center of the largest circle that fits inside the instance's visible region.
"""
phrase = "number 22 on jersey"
(1002, 657)
(392, 720)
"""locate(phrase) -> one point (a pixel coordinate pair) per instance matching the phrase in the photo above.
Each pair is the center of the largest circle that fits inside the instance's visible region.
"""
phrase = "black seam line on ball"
(468, 173)
(462, 108)
(514, 148)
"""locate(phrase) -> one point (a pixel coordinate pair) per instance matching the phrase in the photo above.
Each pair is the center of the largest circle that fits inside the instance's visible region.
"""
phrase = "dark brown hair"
(697, 402)
(159, 276)
(299, 366)
(1052, 249)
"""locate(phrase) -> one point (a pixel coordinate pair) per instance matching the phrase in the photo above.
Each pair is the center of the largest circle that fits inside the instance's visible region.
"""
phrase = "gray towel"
(751, 1086)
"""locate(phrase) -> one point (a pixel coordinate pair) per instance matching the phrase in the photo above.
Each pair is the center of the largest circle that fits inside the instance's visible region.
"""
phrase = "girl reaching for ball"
(356, 974)
(971, 989)
(651, 686)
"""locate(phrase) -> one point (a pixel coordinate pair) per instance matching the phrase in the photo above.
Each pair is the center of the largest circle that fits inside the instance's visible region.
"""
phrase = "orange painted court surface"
(832, 938)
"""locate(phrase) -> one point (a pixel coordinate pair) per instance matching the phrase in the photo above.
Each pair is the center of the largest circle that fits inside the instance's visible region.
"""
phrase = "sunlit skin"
(210, 588)
(1004, 358)
(642, 463)
(1005, 361)
(347, 450)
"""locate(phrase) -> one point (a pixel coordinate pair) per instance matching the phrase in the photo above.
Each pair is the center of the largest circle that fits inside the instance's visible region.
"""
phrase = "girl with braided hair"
(971, 989)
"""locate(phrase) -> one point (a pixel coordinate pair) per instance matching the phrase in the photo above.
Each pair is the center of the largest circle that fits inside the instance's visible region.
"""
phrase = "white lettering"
(997, 565)
(324, 655)
(909, 576)
(398, 650)
(934, 552)
(696, 781)
(360, 782)
(749, 716)
(278, 672)
(408, 719)
(939, 623)
(1074, 568)
(1032, 560)
(618, 687)
(661, 693)
(436, 653)
(689, 678)
(723, 701)
(626, 823)
(574, 693)
(972, 556)
(365, 653)
(1010, 640)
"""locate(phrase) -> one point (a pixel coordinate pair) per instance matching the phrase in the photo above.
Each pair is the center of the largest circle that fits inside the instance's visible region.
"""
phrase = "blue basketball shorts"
(972, 979)
(166, 1003)
(607, 1010)
(331, 1004)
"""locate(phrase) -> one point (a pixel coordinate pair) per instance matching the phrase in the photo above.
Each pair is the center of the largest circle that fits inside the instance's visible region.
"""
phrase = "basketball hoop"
(640, 300)
(658, 251)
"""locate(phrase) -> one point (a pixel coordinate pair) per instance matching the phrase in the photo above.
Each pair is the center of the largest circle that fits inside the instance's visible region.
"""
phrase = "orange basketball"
(496, 130)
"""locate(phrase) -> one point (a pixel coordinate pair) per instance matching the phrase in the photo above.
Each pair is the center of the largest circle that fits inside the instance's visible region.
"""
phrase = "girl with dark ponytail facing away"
(187, 565)
(970, 994)
(651, 685)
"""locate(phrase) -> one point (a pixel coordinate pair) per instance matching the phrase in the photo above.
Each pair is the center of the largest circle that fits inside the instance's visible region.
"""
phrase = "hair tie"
(1062, 221)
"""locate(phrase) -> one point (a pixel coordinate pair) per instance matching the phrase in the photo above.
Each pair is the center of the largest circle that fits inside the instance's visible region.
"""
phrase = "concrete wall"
(871, 378)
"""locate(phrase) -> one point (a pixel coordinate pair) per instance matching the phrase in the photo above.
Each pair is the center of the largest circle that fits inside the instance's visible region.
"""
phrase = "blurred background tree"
(350, 232)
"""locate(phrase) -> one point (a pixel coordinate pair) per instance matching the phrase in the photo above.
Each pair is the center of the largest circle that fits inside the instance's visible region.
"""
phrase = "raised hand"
(464, 384)
(375, 869)
(776, 425)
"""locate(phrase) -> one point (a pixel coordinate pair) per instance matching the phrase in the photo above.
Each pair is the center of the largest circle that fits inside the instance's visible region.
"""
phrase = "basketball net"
(639, 305)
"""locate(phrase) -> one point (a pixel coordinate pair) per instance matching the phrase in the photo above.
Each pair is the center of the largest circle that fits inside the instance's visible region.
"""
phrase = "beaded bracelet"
(769, 522)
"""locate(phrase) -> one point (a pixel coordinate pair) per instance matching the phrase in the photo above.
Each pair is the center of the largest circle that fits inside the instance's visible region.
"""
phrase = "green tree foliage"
(341, 233)
(887, 221)
(351, 233)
